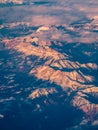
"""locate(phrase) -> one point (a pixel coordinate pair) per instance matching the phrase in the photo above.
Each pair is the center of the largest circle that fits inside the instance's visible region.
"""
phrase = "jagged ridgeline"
(48, 65)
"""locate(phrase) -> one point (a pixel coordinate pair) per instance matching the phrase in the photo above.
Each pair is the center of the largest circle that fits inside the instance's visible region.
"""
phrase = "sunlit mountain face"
(48, 65)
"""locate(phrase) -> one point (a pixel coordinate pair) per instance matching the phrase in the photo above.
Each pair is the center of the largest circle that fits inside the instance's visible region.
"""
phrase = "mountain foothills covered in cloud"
(48, 65)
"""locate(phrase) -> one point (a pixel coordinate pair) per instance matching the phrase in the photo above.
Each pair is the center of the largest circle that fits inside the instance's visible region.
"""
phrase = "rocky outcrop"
(42, 92)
